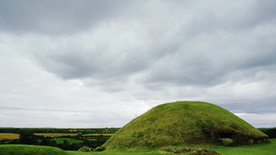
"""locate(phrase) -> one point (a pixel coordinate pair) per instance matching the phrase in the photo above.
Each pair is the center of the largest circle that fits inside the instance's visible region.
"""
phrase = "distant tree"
(65, 142)
(45, 141)
(53, 143)
(26, 138)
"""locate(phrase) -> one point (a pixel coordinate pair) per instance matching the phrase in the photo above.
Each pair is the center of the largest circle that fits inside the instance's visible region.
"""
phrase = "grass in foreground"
(262, 149)
(114, 153)
(14, 149)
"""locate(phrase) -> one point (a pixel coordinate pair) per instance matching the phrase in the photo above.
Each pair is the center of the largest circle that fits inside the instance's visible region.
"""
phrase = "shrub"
(226, 141)
(100, 148)
(85, 149)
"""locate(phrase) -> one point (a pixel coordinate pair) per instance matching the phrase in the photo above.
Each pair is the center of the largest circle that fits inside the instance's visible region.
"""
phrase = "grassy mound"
(184, 123)
(14, 149)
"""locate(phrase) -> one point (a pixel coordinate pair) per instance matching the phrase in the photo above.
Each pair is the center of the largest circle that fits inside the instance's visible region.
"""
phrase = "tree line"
(60, 130)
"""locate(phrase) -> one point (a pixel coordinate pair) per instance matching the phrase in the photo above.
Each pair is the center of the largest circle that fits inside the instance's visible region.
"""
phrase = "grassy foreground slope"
(259, 149)
(115, 153)
(14, 149)
(184, 123)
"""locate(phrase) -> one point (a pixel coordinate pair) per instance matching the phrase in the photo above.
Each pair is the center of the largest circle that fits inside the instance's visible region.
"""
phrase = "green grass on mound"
(184, 123)
(14, 149)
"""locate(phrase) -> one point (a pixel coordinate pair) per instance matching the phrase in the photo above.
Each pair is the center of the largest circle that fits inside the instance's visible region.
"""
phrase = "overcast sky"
(101, 63)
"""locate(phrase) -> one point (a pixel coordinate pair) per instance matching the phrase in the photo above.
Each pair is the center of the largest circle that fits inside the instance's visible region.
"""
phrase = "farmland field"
(55, 134)
(97, 134)
(66, 139)
(70, 134)
(8, 136)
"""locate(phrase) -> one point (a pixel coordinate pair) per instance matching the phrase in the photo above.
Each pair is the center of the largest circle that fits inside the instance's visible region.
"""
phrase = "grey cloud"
(24, 109)
(205, 61)
(232, 16)
(211, 65)
(265, 11)
(198, 58)
(217, 51)
(71, 66)
(56, 17)
(67, 17)
(200, 50)
(260, 106)
(99, 65)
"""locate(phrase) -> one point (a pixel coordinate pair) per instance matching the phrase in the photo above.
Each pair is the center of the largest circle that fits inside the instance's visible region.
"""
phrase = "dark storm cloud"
(56, 17)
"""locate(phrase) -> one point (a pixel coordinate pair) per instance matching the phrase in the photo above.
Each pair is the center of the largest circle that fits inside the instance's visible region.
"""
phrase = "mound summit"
(185, 123)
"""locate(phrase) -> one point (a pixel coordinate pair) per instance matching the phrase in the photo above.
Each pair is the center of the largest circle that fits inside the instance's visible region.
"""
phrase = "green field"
(15, 149)
(261, 149)
(114, 153)
(69, 140)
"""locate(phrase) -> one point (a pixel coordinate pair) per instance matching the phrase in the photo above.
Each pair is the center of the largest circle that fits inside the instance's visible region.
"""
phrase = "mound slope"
(184, 123)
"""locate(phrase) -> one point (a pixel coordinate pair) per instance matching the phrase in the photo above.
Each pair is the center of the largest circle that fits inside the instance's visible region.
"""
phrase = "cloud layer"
(84, 60)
